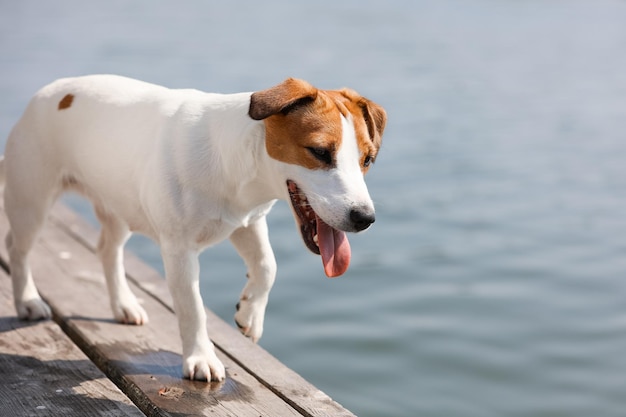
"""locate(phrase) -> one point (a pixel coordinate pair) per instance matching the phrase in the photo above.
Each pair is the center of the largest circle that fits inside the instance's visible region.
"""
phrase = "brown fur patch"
(369, 121)
(316, 123)
(66, 101)
(280, 98)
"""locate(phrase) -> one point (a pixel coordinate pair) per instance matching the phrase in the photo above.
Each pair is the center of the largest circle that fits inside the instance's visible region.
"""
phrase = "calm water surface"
(494, 280)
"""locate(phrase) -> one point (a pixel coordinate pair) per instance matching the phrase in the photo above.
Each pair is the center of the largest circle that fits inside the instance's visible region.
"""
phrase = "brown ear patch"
(66, 101)
(281, 98)
(369, 122)
(375, 118)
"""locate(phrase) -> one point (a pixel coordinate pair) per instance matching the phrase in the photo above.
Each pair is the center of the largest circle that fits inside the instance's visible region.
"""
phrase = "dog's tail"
(2, 173)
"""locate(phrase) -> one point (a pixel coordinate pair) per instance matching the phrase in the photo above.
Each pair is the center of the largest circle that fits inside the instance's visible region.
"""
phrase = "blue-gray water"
(494, 280)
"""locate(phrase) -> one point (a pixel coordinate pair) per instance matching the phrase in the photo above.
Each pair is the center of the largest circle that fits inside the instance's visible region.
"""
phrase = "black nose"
(361, 219)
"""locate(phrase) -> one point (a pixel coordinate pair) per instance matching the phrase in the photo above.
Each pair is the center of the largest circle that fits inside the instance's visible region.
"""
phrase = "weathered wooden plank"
(42, 372)
(286, 383)
(145, 361)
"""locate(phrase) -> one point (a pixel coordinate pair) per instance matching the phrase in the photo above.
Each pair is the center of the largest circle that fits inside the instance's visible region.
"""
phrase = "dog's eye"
(368, 161)
(321, 154)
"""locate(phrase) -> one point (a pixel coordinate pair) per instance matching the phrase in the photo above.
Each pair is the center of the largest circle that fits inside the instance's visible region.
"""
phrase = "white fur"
(184, 167)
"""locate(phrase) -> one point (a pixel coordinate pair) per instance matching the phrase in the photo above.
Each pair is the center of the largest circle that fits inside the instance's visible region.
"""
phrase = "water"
(494, 280)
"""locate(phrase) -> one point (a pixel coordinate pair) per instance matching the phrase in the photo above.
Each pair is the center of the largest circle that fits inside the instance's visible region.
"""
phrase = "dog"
(190, 169)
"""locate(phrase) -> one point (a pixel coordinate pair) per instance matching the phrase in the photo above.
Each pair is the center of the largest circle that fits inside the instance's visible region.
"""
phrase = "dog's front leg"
(182, 273)
(253, 245)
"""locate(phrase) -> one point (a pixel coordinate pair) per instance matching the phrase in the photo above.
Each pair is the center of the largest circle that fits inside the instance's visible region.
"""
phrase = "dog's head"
(325, 142)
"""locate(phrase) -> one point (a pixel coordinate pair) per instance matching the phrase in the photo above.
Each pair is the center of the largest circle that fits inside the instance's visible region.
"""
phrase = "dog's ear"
(374, 115)
(281, 98)
(375, 119)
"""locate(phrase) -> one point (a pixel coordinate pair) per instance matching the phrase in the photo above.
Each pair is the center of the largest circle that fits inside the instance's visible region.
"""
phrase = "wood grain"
(42, 372)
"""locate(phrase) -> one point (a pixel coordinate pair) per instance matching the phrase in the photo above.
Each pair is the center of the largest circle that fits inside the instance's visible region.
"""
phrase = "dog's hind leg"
(26, 208)
(113, 236)
(253, 245)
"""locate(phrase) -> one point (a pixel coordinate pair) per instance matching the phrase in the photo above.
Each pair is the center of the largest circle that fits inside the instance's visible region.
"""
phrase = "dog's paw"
(204, 367)
(249, 317)
(130, 312)
(33, 309)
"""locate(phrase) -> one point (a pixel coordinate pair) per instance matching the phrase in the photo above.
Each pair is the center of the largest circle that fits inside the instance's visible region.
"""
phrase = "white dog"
(190, 169)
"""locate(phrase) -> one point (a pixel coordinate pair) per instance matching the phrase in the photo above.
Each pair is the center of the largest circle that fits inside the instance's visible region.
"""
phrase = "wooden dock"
(84, 364)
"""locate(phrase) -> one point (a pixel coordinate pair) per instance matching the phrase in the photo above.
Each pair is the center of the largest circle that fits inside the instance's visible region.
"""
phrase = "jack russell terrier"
(189, 169)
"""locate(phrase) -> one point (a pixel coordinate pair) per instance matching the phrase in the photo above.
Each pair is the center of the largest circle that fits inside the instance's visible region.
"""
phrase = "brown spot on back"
(66, 101)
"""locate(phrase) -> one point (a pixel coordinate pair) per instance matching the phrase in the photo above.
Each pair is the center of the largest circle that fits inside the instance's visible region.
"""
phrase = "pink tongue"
(334, 248)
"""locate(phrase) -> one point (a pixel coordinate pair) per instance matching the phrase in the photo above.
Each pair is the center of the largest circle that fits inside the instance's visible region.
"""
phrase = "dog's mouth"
(319, 237)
